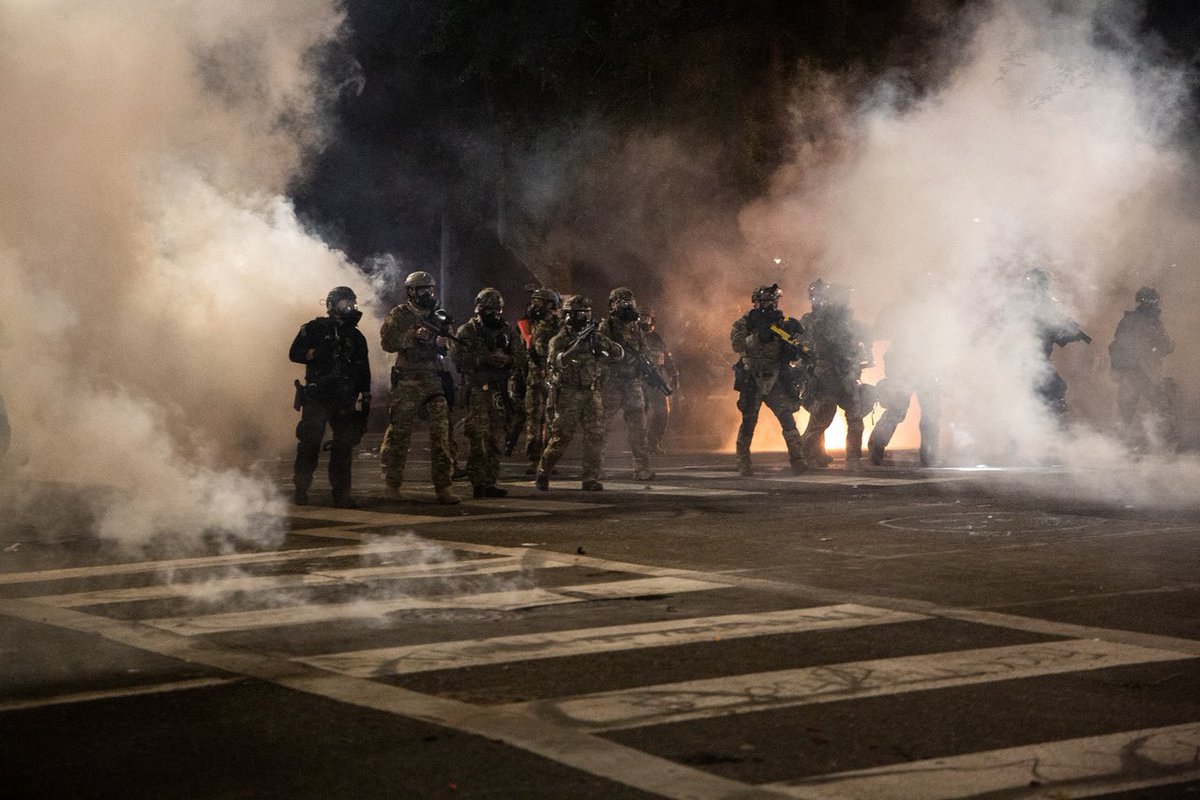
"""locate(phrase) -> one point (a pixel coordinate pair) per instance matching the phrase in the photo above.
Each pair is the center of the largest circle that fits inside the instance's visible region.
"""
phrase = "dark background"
(488, 128)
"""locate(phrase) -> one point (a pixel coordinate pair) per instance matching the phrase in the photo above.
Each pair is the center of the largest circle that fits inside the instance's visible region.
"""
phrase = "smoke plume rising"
(153, 271)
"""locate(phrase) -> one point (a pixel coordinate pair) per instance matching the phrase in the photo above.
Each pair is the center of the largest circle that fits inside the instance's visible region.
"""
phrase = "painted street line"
(829, 479)
(1072, 768)
(215, 589)
(591, 754)
(109, 694)
(669, 491)
(556, 644)
(513, 600)
(728, 474)
(739, 694)
(375, 547)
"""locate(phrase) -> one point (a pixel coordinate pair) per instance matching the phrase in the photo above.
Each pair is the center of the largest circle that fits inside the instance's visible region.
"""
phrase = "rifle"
(440, 323)
(649, 372)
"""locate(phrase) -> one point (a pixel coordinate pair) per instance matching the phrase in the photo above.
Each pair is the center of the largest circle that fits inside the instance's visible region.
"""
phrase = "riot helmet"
(816, 292)
(646, 320)
(578, 310)
(1147, 298)
(421, 290)
(1037, 281)
(622, 304)
(542, 303)
(766, 298)
(342, 304)
(489, 305)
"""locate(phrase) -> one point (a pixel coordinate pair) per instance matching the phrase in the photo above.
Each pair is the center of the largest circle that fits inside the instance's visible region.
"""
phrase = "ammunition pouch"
(742, 382)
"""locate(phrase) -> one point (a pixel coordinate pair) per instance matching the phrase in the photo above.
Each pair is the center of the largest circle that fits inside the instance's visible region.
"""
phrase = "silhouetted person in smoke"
(1051, 326)
(1136, 355)
(768, 345)
(337, 393)
(908, 369)
(841, 347)
(658, 405)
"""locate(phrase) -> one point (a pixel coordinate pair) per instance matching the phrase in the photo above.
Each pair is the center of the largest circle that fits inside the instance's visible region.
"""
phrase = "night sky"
(499, 118)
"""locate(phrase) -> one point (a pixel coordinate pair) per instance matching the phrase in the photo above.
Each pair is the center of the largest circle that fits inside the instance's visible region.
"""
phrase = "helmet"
(340, 293)
(1037, 280)
(1147, 296)
(647, 319)
(770, 293)
(577, 302)
(620, 294)
(489, 299)
(419, 279)
(816, 290)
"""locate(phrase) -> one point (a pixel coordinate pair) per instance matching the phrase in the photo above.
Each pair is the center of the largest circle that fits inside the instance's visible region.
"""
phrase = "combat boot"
(643, 474)
(494, 491)
(392, 492)
(446, 497)
(345, 501)
(542, 482)
(875, 453)
(300, 497)
(744, 468)
(592, 486)
(795, 448)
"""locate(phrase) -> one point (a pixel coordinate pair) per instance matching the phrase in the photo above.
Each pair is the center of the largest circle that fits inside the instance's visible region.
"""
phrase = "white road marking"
(1083, 767)
(108, 694)
(853, 479)
(581, 641)
(591, 754)
(496, 601)
(215, 589)
(374, 547)
(739, 694)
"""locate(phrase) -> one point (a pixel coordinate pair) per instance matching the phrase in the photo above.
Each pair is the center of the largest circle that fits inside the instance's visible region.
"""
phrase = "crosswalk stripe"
(556, 644)
(1086, 766)
(496, 601)
(215, 589)
(109, 694)
(374, 547)
(738, 694)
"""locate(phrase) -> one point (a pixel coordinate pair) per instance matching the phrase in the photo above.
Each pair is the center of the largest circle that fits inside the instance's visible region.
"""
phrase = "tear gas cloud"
(1053, 137)
(1052, 143)
(153, 271)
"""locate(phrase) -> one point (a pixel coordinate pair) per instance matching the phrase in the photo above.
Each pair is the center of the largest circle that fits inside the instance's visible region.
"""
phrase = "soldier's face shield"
(423, 296)
(579, 318)
(344, 306)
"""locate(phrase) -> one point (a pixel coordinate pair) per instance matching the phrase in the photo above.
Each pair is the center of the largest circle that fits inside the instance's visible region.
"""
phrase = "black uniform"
(335, 377)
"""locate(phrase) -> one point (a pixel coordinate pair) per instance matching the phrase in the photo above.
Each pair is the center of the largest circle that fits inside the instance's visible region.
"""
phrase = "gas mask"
(423, 297)
(626, 311)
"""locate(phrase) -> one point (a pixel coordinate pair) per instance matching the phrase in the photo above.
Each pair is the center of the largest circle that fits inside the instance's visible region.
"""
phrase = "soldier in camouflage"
(841, 348)
(487, 352)
(544, 322)
(414, 332)
(768, 346)
(1136, 355)
(577, 359)
(623, 389)
(658, 405)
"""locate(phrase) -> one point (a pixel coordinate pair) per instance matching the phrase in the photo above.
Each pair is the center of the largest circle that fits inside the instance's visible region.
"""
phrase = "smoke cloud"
(154, 272)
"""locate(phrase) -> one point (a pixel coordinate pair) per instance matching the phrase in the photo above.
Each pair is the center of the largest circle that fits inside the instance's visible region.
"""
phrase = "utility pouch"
(742, 382)
(298, 400)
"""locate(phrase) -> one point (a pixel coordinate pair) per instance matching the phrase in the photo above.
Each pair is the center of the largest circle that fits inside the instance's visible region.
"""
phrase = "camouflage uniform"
(1136, 355)
(658, 405)
(417, 387)
(487, 356)
(764, 374)
(577, 381)
(537, 391)
(840, 346)
(907, 373)
(338, 373)
(623, 390)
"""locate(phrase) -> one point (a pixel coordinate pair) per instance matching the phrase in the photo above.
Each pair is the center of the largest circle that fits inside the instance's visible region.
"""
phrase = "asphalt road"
(888, 632)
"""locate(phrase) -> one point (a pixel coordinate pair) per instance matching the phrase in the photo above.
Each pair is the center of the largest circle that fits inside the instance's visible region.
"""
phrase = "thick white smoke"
(1051, 144)
(153, 272)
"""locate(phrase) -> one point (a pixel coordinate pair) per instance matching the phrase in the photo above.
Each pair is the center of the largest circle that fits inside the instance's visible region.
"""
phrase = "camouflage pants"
(536, 419)
(783, 406)
(627, 395)
(407, 399)
(832, 390)
(487, 428)
(895, 409)
(658, 412)
(574, 408)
